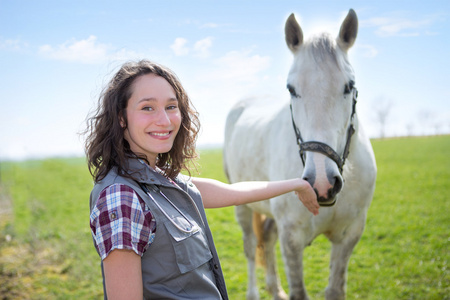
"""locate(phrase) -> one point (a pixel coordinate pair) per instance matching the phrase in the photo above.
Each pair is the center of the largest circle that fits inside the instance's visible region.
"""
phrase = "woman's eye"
(147, 108)
(171, 107)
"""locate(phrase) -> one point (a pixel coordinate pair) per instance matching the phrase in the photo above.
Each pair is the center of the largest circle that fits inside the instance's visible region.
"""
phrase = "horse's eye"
(292, 91)
(349, 87)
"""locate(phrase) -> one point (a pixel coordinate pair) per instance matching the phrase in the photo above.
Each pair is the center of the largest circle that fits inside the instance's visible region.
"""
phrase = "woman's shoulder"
(117, 188)
(185, 182)
(117, 194)
(119, 219)
(111, 179)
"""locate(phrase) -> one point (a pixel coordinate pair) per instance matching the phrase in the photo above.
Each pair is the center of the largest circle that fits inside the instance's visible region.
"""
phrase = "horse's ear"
(348, 31)
(293, 34)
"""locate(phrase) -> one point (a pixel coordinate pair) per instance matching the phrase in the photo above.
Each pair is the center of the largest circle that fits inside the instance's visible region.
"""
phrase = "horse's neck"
(361, 152)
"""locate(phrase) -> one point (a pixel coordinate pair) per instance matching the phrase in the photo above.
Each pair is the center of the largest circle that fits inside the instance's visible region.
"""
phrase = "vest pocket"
(190, 246)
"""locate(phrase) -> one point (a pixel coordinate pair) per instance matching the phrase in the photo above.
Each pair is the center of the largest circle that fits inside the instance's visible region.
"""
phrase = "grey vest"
(181, 262)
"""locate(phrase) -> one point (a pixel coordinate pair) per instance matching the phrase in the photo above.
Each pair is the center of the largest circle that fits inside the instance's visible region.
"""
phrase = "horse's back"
(248, 132)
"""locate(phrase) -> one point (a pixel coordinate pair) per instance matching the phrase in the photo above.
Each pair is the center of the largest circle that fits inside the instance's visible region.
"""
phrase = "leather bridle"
(323, 148)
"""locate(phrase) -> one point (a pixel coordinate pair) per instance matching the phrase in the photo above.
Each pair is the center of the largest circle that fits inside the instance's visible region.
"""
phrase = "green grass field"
(46, 251)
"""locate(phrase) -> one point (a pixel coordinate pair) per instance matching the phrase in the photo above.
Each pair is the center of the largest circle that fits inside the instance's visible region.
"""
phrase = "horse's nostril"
(337, 185)
(317, 193)
(310, 181)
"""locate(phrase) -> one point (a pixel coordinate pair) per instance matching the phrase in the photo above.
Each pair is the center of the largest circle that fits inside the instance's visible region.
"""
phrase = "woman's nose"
(163, 118)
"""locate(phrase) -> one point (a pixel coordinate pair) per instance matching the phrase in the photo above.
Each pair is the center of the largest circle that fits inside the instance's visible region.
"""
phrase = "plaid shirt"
(121, 220)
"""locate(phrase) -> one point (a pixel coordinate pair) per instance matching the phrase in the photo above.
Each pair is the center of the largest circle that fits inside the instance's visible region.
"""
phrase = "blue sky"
(56, 56)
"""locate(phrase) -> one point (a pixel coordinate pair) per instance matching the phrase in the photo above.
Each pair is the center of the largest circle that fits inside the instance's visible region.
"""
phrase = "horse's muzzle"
(326, 202)
(331, 194)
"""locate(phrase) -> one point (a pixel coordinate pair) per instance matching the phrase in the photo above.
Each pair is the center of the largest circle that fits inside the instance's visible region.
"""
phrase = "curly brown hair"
(105, 144)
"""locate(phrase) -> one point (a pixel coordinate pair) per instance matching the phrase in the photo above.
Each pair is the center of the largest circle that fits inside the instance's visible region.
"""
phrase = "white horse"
(262, 143)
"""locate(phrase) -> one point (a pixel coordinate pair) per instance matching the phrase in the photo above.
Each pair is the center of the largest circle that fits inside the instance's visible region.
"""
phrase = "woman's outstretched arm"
(218, 194)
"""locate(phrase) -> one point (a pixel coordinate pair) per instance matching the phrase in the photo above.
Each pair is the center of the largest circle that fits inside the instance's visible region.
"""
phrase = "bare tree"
(382, 107)
(410, 129)
(437, 127)
(425, 118)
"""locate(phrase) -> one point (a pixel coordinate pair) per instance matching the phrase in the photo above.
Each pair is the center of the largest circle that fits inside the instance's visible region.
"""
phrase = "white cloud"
(179, 47)
(229, 78)
(241, 66)
(85, 51)
(216, 86)
(209, 25)
(367, 50)
(400, 26)
(13, 45)
(88, 51)
(125, 54)
(201, 47)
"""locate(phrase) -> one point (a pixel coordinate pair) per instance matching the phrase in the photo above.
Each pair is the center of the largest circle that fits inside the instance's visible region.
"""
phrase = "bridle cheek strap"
(323, 148)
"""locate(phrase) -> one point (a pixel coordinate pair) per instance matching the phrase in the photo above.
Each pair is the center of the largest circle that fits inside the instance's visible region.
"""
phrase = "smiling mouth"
(160, 134)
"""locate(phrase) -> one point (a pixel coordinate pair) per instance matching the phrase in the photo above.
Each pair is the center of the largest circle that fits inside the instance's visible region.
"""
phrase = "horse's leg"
(272, 280)
(340, 256)
(244, 217)
(292, 245)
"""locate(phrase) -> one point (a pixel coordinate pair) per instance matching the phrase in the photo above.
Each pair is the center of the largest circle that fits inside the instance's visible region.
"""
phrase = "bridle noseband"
(323, 148)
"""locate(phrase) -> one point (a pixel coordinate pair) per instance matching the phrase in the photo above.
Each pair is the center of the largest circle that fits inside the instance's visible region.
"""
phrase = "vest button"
(216, 266)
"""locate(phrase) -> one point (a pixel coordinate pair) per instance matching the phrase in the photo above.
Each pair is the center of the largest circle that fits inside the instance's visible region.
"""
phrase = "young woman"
(147, 219)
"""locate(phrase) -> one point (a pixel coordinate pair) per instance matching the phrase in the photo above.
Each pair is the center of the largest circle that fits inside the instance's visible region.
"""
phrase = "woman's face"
(153, 116)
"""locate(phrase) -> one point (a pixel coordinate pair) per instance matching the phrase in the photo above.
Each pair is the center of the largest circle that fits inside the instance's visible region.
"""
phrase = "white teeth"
(160, 134)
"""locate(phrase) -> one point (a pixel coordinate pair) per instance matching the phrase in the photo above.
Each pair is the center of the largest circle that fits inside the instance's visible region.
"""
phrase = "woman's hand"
(308, 196)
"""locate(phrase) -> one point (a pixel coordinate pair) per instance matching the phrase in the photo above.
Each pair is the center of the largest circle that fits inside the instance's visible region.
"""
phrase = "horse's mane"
(323, 49)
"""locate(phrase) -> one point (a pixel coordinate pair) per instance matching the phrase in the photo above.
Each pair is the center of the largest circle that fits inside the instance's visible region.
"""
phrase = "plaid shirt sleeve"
(121, 220)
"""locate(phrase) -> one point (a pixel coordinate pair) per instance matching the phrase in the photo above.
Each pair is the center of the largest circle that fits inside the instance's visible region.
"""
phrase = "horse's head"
(321, 84)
